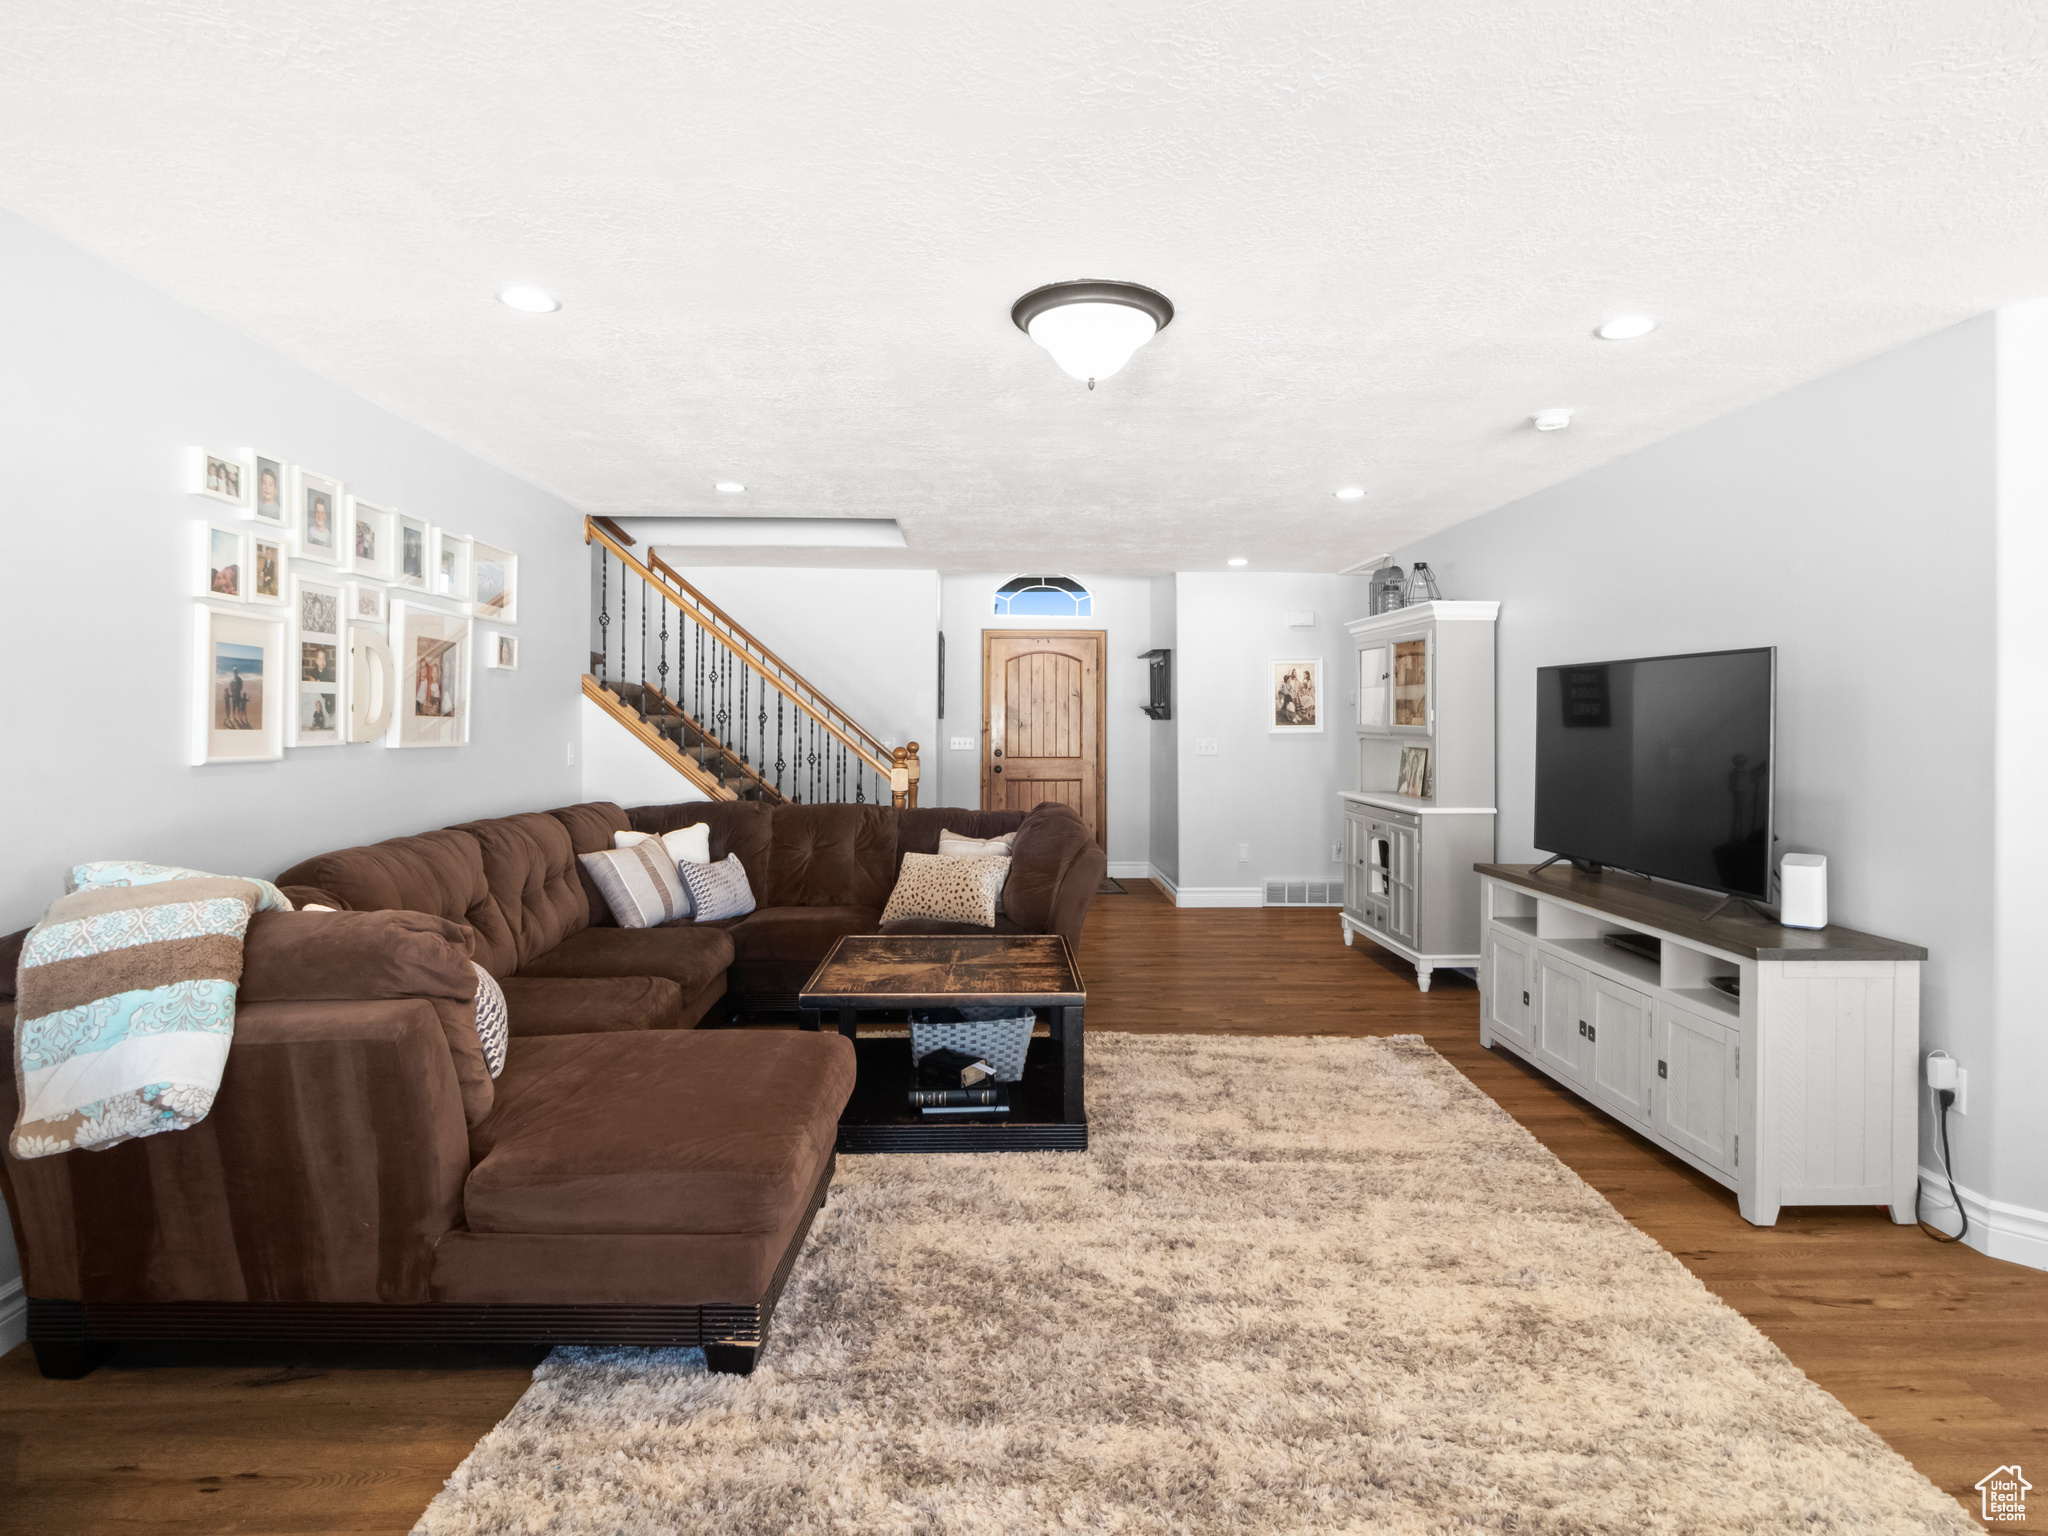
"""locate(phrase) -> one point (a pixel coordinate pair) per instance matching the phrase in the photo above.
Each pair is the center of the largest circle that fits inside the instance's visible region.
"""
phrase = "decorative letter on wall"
(372, 685)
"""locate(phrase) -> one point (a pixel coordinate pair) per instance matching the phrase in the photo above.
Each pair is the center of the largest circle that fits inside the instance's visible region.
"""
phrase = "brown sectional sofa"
(626, 1179)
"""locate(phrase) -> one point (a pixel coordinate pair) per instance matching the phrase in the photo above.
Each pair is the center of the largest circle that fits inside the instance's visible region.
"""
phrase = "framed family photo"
(431, 648)
(364, 604)
(451, 568)
(317, 510)
(1295, 698)
(266, 567)
(220, 474)
(1414, 772)
(371, 531)
(268, 499)
(238, 662)
(495, 589)
(221, 552)
(317, 664)
(501, 653)
(410, 554)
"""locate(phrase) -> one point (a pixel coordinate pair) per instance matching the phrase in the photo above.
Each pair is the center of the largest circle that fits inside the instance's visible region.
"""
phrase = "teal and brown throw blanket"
(125, 1003)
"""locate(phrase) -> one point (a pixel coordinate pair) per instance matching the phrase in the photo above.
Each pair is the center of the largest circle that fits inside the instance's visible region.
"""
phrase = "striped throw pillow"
(493, 1024)
(638, 884)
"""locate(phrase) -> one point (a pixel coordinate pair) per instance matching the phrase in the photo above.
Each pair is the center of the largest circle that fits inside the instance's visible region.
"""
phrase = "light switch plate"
(1205, 746)
(1301, 618)
(963, 743)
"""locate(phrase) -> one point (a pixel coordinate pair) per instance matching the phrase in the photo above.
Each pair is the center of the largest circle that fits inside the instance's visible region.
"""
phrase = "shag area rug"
(1295, 1285)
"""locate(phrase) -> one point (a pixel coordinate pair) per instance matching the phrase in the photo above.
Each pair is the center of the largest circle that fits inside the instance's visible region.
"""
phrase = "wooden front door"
(1042, 732)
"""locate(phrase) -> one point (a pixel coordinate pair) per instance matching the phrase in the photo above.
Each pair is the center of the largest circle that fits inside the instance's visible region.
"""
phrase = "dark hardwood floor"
(1940, 1350)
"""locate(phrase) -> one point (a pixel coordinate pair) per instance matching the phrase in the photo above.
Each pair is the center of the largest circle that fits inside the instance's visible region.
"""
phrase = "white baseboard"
(1220, 896)
(1160, 878)
(13, 1316)
(1129, 869)
(2016, 1233)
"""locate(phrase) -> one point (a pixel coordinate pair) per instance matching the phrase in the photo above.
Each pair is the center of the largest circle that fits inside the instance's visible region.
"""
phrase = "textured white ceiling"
(787, 236)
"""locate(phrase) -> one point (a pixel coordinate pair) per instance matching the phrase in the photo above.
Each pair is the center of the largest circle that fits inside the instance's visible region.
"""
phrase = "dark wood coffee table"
(888, 973)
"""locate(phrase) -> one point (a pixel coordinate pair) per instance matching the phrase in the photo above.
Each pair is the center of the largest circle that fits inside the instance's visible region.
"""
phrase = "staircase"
(729, 715)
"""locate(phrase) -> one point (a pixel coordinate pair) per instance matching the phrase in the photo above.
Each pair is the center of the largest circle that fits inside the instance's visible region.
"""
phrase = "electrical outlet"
(963, 743)
(1205, 746)
(1244, 853)
(572, 754)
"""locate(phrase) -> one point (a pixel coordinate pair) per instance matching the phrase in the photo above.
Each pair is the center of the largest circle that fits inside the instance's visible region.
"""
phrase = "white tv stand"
(1800, 1093)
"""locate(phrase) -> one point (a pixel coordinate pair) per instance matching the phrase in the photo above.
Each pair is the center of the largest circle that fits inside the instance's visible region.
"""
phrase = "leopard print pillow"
(947, 890)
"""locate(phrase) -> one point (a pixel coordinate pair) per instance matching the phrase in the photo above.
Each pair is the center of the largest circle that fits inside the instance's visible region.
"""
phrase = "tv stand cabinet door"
(1510, 988)
(1621, 1027)
(1692, 1092)
(1563, 1011)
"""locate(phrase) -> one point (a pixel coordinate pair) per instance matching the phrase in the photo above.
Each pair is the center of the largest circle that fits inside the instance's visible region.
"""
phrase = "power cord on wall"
(1943, 1099)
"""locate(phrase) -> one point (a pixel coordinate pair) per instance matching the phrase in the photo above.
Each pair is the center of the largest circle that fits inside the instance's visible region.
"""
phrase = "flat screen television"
(1661, 765)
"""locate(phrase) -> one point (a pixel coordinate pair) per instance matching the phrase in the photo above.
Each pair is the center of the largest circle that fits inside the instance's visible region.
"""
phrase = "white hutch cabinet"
(1425, 685)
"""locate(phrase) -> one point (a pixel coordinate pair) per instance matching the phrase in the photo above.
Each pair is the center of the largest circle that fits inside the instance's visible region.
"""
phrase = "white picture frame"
(1295, 700)
(431, 650)
(494, 583)
(237, 712)
(219, 474)
(371, 534)
(270, 491)
(364, 602)
(501, 651)
(317, 509)
(220, 560)
(317, 662)
(269, 566)
(450, 577)
(411, 552)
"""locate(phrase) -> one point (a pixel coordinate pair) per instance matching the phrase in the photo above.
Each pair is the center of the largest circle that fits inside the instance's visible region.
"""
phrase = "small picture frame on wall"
(431, 649)
(363, 603)
(238, 687)
(317, 663)
(495, 583)
(1295, 695)
(267, 566)
(270, 494)
(221, 557)
(451, 568)
(501, 653)
(219, 474)
(411, 553)
(318, 509)
(1414, 780)
(371, 549)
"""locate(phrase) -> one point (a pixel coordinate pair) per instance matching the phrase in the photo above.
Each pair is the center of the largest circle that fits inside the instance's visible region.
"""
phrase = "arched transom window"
(1052, 597)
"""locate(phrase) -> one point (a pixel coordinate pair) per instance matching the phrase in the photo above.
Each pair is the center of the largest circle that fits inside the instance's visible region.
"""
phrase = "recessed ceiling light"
(1551, 421)
(1237, 560)
(1626, 328)
(529, 301)
(730, 487)
(1350, 493)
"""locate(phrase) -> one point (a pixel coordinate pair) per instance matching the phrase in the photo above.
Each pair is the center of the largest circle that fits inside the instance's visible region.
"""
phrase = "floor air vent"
(1304, 893)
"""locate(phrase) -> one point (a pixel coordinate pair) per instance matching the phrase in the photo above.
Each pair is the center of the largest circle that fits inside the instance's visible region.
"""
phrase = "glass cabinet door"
(1410, 685)
(1375, 679)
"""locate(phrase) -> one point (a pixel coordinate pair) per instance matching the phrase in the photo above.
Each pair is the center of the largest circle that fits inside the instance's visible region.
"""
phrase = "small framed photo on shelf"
(220, 474)
(451, 568)
(238, 678)
(317, 532)
(1296, 696)
(431, 649)
(411, 554)
(269, 500)
(363, 603)
(221, 555)
(266, 567)
(370, 537)
(317, 663)
(495, 586)
(502, 653)
(1414, 773)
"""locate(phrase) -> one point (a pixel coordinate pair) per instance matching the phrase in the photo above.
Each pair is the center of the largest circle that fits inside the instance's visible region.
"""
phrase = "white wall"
(1851, 524)
(1122, 607)
(1165, 842)
(103, 386)
(1274, 794)
(620, 767)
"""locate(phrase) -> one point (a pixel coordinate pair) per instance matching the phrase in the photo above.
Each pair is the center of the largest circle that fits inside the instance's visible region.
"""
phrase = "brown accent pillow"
(950, 890)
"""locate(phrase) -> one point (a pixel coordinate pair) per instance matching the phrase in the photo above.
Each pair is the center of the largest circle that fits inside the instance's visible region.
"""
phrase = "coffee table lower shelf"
(877, 1119)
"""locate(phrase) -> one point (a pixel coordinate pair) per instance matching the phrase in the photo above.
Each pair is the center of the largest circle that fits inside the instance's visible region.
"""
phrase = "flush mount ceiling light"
(529, 301)
(1350, 493)
(1091, 328)
(1626, 328)
(1552, 420)
(730, 487)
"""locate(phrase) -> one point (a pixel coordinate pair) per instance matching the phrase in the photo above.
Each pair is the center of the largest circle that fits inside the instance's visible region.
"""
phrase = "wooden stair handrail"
(882, 760)
(614, 706)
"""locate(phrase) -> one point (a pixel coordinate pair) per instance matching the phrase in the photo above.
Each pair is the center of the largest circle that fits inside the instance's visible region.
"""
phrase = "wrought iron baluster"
(604, 614)
(779, 761)
(661, 673)
(622, 626)
(643, 652)
(743, 715)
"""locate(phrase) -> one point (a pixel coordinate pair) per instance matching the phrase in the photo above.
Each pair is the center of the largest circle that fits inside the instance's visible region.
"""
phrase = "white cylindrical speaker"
(1803, 890)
